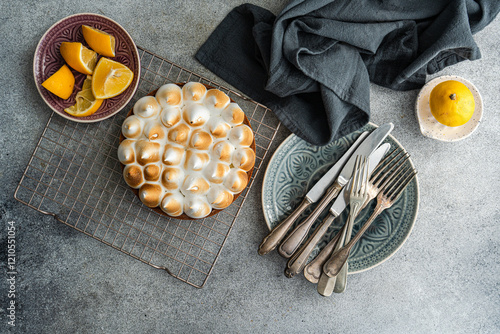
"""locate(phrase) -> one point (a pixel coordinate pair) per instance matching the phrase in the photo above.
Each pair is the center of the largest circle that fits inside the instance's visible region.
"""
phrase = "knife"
(297, 263)
(272, 240)
(293, 241)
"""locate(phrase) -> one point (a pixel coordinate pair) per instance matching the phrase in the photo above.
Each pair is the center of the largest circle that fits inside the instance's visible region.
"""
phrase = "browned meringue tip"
(126, 152)
(146, 107)
(179, 134)
(193, 91)
(216, 99)
(233, 114)
(200, 139)
(169, 95)
(151, 194)
(236, 181)
(147, 152)
(152, 172)
(133, 176)
(172, 204)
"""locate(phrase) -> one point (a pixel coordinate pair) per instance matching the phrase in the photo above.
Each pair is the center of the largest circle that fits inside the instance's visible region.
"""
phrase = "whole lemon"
(452, 103)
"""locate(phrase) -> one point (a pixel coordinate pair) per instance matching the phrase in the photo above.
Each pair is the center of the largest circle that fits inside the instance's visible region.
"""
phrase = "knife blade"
(272, 240)
(294, 239)
(297, 263)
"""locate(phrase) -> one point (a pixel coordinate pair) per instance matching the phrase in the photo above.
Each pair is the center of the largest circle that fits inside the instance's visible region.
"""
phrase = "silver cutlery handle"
(293, 241)
(341, 281)
(338, 258)
(297, 263)
(326, 284)
(279, 231)
(313, 270)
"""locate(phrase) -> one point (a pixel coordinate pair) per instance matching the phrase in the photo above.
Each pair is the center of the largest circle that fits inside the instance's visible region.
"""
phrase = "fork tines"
(393, 173)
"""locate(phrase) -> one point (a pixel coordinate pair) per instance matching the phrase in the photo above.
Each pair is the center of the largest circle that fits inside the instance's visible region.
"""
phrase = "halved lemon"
(86, 104)
(61, 83)
(110, 78)
(78, 57)
(100, 41)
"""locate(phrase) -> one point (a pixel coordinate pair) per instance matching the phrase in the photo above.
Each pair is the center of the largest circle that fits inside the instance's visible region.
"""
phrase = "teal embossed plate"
(293, 170)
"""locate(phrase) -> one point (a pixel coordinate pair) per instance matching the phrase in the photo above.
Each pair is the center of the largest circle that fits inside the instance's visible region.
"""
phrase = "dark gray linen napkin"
(312, 64)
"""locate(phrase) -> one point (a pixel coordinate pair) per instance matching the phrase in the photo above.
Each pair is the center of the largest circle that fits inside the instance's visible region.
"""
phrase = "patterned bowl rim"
(134, 50)
(403, 241)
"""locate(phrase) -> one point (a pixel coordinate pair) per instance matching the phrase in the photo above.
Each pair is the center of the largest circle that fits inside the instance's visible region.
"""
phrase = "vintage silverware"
(370, 144)
(390, 190)
(314, 269)
(298, 261)
(277, 234)
(341, 278)
(357, 198)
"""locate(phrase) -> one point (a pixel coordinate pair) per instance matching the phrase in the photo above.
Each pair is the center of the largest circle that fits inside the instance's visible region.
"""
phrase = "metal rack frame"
(75, 176)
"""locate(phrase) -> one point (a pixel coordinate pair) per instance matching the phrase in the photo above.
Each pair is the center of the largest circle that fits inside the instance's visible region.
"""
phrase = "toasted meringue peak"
(154, 131)
(126, 152)
(244, 158)
(200, 139)
(215, 172)
(172, 156)
(170, 116)
(172, 178)
(194, 185)
(179, 134)
(193, 91)
(236, 180)
(233, 114)
(151, 194)
(147, 107)
(223, 151)
(218, 127)
(216, 99)
(241, 135)
(195, 114)
(219, 198)
(147, 152)
(169, 95)
(196, 207)
(195, 160)
(132, 127)
(152, 172)
(133, 176)
(172, 204)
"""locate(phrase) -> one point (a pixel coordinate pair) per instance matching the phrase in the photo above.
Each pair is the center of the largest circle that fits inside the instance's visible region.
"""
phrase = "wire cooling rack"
(74, 175)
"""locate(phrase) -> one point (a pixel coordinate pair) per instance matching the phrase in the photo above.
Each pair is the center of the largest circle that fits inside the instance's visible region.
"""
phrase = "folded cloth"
(312, 64)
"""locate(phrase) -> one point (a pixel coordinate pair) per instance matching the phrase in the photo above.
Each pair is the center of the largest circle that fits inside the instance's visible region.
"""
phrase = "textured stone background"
(443, 280)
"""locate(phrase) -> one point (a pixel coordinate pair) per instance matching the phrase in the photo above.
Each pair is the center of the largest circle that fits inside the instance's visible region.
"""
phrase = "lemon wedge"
(110, 78)
(86, 104)
(78, 57)
(61, 83)
(100, 41)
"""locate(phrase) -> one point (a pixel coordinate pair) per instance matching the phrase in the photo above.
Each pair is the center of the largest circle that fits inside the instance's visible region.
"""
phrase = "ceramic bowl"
(431, 128)
(48, 60)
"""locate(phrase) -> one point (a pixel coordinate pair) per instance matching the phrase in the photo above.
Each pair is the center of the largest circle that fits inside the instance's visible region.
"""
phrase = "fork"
(313, 270)
(390, 190)
(373, 190)
(299, 259)
(357, 198)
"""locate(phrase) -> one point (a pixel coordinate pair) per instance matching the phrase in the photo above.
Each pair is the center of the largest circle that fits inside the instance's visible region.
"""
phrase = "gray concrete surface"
(445, 279)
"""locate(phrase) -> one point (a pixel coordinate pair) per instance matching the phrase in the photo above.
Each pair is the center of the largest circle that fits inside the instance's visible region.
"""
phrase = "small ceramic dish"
(431, 128)
(48, 60)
